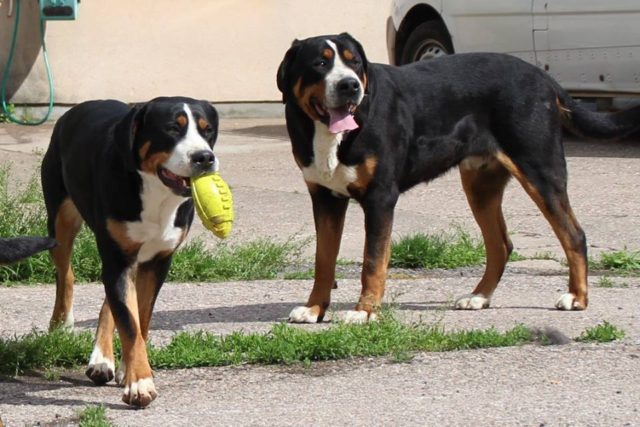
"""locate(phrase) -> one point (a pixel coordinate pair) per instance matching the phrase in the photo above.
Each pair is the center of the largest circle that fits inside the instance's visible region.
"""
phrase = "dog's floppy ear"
(359, 48)
(284, 70)
(125, 135)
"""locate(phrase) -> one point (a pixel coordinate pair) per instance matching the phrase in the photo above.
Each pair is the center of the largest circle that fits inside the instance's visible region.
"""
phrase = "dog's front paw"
(100, 373)
(472, 302)
(304, 314)
(359, 316)
(568, 302)
(100, 369)
(139, 393)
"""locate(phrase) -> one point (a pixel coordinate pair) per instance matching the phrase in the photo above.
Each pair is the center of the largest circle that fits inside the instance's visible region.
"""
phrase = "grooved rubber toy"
(213, 202)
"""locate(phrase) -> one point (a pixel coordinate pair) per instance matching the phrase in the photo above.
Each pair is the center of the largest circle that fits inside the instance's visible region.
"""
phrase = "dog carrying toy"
(213, 202)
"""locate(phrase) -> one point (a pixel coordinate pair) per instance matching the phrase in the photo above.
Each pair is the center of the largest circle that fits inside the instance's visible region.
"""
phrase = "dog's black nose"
(202, 159)
(348, 86)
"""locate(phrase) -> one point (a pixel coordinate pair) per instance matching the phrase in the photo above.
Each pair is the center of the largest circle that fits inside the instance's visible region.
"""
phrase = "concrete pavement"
(576, 384)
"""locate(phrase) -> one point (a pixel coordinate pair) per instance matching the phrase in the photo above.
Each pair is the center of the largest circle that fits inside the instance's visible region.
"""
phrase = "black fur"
(17, 248)
(420, 120)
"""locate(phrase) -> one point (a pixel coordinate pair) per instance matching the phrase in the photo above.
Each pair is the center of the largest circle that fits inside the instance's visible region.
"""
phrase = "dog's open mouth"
(180, 185)
(340, 119)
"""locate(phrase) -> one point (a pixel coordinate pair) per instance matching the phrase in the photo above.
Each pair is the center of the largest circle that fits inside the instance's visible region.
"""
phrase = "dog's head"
(327, 77)
(171, 138)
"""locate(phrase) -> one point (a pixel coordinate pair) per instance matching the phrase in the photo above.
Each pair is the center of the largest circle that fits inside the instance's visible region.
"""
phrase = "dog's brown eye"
(321, 63)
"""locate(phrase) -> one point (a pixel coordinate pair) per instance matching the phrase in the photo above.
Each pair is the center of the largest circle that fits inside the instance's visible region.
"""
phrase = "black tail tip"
(17, 248)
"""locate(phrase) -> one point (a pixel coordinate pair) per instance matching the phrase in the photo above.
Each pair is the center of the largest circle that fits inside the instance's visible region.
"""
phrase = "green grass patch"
(93, 416)
(43, 351)
(451, 250)
(300, 275)
(259, 259)
(620, 261)
(604, 332)
(22, 213)
(283, 344)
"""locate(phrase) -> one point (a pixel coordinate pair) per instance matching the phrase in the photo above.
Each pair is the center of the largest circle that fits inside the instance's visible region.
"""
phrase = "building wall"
(219, 50)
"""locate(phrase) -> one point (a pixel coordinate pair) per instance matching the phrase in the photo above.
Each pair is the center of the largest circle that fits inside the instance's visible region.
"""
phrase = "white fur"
(302, 314)
(565, 302)
(98, 358)
(359, 316)
(143, 386)
(156, 230)
(68, 321)
(472, 302)
(326, 169)
(338, 72)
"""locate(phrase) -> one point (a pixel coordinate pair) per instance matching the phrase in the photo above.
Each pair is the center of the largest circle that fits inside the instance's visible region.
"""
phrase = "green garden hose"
(7, 68)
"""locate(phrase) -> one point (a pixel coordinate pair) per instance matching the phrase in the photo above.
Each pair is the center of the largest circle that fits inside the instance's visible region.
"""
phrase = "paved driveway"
(575, 384)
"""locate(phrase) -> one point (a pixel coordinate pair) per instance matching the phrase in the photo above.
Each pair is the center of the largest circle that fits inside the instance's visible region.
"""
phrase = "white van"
(592, 47)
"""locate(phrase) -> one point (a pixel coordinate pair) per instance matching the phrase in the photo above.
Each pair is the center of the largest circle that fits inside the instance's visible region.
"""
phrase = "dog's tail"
(17, 248)
(595, 125)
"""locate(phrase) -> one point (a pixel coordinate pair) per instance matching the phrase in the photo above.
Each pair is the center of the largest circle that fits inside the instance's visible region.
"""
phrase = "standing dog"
(371, 131)
(125, 172)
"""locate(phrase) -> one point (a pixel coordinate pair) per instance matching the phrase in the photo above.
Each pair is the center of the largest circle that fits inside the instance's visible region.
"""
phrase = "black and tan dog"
(370, 132)
(15, 249)
(125, 172)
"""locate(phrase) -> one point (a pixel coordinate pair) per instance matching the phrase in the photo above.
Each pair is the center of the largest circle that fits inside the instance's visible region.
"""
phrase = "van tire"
(428, 40)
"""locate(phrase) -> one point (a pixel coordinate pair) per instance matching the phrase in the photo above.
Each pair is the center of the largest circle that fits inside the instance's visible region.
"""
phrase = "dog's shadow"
(172, 320)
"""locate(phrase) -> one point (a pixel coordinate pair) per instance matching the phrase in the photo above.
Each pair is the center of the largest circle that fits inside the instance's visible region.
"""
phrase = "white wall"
(219, 50)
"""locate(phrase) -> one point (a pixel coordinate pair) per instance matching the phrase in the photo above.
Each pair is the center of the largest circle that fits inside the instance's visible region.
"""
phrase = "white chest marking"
(326, 169)
(155, 230)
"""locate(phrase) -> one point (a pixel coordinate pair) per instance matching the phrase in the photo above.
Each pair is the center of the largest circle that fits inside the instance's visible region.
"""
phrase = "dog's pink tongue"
(341, 120)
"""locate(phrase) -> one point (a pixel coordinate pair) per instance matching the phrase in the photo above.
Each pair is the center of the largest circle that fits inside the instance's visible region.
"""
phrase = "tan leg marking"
(328, 235)
(67, 225)
(146, 282)
(374, 270)
(101, 367)
(567, 229)
(139, 389)
(484, 189)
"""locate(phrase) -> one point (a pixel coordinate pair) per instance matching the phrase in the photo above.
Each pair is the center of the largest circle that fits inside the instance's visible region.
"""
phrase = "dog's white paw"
(359, 316)
(472, 302)
(568, 302)
(140, 393)
(100, 369)
(303, 314)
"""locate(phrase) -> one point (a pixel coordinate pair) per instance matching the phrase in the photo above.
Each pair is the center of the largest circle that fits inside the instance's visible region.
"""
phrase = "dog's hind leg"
(64, 226)
(484, 181)
(546, 184)
(328, 213)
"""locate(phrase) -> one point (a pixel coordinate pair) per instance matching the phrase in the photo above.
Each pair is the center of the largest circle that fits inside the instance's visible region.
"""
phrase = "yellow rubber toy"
(213, 202)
